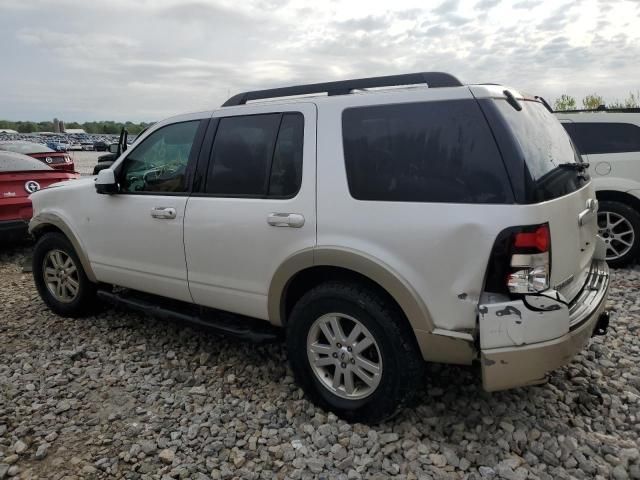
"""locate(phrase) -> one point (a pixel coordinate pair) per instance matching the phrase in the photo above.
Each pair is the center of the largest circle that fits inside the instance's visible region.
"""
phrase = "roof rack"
(602, 108)
(344, 87)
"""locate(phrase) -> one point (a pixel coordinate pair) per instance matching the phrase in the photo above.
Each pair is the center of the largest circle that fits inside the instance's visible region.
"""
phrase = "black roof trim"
(602, 108)
(344, 87)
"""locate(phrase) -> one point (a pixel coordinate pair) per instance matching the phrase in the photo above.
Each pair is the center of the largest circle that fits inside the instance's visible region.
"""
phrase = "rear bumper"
(13, 229)
(516, 366)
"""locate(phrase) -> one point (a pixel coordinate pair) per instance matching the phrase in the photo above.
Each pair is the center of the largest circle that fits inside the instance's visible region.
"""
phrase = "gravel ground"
(119, 395)
(85, 161)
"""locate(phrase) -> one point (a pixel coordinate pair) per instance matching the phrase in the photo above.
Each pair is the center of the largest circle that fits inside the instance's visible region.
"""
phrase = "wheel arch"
(50, 222)
(622, 197)
(310, 267)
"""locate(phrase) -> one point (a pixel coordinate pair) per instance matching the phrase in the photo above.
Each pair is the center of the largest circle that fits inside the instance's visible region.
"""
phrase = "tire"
(78, 304)
(617, 223)
(395, 351)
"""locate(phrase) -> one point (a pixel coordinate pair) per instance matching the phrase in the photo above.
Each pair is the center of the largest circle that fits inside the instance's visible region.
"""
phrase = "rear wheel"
(619, 226)
(59, 277)
(352, 352)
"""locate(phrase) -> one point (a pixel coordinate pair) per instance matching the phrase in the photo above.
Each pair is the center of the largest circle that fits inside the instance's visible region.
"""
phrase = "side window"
(257, 156)
(423, 152)
(159, 163)
(600, 137)
(286, 170)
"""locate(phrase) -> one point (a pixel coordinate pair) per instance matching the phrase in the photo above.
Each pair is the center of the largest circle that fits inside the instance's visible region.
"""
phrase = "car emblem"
(32, 186)
(48, 159)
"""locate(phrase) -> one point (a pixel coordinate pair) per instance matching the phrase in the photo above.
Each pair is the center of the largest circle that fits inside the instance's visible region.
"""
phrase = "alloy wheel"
(344, 356)
(617, 232)
(61, 276)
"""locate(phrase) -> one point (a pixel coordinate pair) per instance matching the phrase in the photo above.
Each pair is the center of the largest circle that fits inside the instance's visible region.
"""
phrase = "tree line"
(106, 127)
(593, 101)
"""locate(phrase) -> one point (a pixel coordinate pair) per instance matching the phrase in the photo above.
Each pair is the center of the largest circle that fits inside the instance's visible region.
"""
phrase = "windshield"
(544, 143)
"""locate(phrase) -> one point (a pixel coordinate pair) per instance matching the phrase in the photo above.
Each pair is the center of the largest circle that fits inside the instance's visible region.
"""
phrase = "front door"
(256, 206)
(137, 241)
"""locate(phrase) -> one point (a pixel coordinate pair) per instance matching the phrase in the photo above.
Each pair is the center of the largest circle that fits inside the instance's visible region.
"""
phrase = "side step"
(246, 328)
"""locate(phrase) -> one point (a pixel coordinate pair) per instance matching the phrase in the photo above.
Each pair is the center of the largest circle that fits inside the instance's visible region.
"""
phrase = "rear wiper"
(574, 166)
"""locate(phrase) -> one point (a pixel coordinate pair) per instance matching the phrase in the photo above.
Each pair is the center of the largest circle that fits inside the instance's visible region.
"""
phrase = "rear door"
(256, 205)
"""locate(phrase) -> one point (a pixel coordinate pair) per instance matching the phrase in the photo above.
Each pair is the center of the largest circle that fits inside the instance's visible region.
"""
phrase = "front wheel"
(59, 277)
(619, 227)
(353, 353)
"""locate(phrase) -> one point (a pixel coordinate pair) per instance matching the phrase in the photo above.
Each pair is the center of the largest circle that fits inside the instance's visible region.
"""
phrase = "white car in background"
(609, 140)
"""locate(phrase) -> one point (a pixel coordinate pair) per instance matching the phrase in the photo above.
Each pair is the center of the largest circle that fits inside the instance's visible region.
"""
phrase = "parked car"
(20, 176)
(87, 146)
(380, 229)
(100, 146)
(56, 160)
(57, 146)
(609, 140)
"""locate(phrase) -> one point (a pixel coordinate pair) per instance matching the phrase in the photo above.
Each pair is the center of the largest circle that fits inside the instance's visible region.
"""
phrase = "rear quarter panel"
(440, 249)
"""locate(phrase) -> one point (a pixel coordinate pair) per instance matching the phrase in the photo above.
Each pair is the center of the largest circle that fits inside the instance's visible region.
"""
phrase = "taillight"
(530, 260)
(67, 159)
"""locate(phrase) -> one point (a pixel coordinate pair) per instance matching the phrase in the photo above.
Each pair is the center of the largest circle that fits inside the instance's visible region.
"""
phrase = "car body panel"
(232, 252)
(20, 176)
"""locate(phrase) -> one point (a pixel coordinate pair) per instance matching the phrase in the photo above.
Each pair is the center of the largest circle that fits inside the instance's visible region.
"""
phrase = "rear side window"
(257, 156)
(423, 152)
(600, 137)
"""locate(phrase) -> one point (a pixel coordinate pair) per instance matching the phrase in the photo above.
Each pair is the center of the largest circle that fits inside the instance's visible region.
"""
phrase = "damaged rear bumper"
(527, 362)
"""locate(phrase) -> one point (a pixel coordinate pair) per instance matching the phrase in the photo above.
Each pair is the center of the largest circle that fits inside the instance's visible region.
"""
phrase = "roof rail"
(602, 108)
(344, 87)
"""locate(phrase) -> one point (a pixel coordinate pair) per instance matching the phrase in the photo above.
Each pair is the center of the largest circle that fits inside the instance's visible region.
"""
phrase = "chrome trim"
(593, 293)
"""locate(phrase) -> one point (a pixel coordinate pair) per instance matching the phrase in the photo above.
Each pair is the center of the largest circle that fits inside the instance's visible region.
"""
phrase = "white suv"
(609, 140)
(380, 227)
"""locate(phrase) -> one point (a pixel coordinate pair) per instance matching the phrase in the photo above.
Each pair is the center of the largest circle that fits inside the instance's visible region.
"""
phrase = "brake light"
(530, 260)
(540, 239)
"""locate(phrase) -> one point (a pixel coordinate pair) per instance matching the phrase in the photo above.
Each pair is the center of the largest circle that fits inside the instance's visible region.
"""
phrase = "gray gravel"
(85, 161)
(123, 396)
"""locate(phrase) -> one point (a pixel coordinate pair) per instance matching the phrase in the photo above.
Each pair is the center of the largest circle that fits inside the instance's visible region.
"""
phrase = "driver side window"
(159, 163)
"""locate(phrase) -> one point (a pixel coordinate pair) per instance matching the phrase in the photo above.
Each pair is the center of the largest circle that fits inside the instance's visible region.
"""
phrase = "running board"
(246, 328)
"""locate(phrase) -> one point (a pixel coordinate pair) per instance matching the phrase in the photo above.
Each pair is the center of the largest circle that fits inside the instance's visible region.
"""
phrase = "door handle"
(592, 209)
(294, 220)
(164, 213)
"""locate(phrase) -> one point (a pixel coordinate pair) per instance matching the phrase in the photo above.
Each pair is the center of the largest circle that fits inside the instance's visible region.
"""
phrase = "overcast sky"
(143, 60)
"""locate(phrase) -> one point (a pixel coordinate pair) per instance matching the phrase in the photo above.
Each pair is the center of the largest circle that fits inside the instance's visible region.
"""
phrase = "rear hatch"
(552, 181)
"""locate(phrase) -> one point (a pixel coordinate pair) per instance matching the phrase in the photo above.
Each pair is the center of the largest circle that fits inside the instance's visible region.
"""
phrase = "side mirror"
(106, 182)
(113, 148)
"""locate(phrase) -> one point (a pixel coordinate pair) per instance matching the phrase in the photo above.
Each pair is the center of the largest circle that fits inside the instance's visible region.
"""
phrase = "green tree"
(565, 102)
(592, 101)
(632, 101)
(26, 127)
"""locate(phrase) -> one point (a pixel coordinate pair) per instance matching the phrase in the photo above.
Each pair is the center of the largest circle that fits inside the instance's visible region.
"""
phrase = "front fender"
(45, 220)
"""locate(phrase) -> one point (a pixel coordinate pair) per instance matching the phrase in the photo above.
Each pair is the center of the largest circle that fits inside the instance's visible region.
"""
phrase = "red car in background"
(57, 160)
(20, 176)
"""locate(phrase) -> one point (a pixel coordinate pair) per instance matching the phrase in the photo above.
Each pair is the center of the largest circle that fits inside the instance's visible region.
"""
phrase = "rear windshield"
(25, 147)
(547, 149)
(544, 143)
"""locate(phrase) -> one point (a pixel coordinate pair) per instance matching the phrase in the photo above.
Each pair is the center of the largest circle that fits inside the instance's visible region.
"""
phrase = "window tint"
(423, 152)
(544, 143)
(600, 137)
(286, 171)
(257, 155)
(159, 163)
